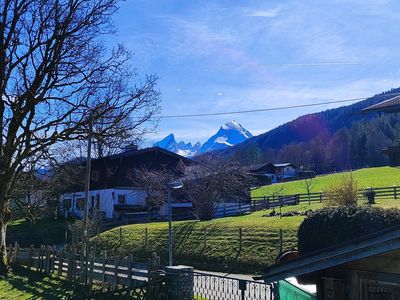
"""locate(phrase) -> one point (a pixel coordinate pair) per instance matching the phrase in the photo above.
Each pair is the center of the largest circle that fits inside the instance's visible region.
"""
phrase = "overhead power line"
(273, 108)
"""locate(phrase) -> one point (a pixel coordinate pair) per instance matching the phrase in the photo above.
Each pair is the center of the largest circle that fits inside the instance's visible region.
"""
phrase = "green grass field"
(214, 245)
(369, 177)
(23, 284)
(43, 231)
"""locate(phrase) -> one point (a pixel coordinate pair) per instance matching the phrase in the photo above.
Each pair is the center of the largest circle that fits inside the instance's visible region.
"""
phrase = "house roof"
(370, 245)
(256, 167)
(281, 165)
(392, 105)
(147, 150)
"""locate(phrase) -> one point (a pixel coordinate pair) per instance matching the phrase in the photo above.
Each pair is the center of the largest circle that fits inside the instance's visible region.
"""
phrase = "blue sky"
(214, 56)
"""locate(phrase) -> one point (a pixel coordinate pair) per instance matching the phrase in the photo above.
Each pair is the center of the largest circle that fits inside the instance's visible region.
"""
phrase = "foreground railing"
(211, 286)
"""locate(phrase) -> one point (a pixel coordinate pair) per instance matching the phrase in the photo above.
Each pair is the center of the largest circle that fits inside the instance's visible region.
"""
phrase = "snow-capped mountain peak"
(228, 135)
(185, 149)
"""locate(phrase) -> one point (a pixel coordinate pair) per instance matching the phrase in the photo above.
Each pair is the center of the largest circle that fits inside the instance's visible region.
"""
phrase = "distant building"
(393, 154)
(275, 172)
(391, 105)
(113, 190)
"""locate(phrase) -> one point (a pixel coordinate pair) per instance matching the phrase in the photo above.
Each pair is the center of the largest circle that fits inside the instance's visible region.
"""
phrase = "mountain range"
(334, 139)
(228, 135)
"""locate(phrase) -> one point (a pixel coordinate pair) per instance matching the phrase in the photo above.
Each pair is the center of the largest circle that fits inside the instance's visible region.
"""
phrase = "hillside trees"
(54, 75)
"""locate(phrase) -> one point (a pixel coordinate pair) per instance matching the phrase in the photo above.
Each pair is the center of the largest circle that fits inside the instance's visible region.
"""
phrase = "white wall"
(108, 198)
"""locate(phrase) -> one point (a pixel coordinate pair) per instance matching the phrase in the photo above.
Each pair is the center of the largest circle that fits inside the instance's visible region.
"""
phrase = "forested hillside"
(335, 139)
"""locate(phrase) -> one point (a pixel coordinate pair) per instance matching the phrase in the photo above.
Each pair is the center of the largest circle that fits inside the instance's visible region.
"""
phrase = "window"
(98, 201)
(121, 199)
(67, 203)
(79, 203)
(92, 201)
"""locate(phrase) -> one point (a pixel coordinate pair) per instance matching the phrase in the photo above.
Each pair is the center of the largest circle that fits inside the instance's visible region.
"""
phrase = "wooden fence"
(392, 192)
(108, 271)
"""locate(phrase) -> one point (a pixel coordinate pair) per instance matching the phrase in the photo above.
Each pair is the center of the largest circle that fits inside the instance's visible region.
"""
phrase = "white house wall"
(108, 198)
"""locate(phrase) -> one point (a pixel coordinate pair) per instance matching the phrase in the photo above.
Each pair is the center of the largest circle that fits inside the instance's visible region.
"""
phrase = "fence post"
(115, 281)
(81, 268)
(92, 258)
(268, 205)
(53, 259)
(129, 275)
(74, 264)
(240, 239)
(30, 257)
(60, 263)
(15, 252)
(41, 254)
(48, 258)
(145, 237)
(103, 270)
(320, 196)
(395, 191)
(205, 237)
(254, 205)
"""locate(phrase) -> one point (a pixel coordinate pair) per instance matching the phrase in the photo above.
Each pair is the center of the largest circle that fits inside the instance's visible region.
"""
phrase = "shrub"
(329, 226)
(343, 192)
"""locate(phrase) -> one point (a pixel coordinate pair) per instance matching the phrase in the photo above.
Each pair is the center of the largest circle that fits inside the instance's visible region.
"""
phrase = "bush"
(329, 226)
(343, 192)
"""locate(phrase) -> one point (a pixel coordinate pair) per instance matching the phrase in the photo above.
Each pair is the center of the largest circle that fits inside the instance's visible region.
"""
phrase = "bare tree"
(212, 181)
(28, 200)
(54, 70)
(155, 184)
(308, 184)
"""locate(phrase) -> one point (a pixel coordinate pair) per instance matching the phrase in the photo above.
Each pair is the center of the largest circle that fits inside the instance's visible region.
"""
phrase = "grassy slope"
(369, 177)
(24, 284)
(220, 251)
(43, 231)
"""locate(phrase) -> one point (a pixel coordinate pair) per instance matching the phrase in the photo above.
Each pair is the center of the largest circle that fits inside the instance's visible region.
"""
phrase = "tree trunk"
(3, 249)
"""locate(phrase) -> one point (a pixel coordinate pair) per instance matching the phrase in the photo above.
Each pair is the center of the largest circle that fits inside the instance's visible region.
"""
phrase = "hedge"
(329, 226)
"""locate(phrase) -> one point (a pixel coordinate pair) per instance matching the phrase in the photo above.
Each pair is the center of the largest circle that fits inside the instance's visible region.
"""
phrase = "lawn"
(368, 177)
(44, 231)
(24, 284)
(214, 245)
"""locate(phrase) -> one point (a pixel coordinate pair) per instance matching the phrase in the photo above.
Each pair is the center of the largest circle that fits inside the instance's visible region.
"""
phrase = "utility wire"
(273, 108)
